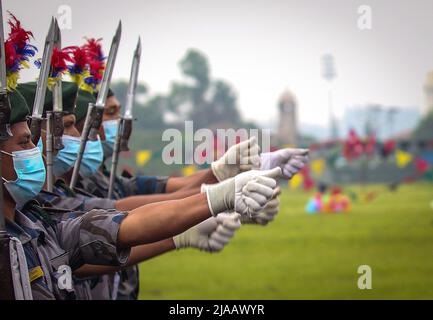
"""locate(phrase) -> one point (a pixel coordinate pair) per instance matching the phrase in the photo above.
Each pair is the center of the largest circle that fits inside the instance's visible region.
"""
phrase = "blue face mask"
(92, 158)
(110, 130)
(30, 170)
(40, 145)
(65, 158)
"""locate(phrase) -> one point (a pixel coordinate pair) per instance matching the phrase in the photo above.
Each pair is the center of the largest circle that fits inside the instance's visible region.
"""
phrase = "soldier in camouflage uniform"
(99, 241)
(98, 183)
(97, 287)
(69, 217)
(63, 196)
(87, 241)
(48, 242)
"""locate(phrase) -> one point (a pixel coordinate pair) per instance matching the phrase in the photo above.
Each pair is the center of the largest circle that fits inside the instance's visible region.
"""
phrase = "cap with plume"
(97, 59)
(79, 68)
(59, 64)
(18, 51)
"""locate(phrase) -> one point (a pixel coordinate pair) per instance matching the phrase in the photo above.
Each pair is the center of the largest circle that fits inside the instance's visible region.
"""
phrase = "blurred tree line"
(425, 128)
(199, 98)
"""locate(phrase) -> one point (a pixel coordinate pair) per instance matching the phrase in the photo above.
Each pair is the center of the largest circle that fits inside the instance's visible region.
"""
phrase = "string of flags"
(317, 166)
(337, 154)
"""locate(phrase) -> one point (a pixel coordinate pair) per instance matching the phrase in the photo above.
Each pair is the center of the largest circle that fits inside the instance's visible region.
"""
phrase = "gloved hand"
(211, 235)
(291, 161)
(247, 193)
(238, 158)
(269, 212)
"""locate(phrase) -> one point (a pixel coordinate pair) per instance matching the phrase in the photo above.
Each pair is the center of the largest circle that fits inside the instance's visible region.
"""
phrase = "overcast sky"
(262, 47)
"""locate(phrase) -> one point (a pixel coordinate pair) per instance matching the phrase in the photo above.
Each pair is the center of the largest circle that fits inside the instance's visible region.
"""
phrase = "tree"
(195, 66)
(202, 100)
(223, 103)
(149, 114)
(424, 129)
(120, 88)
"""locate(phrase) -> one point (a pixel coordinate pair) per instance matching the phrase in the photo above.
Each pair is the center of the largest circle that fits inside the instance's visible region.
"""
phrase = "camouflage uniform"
(126, 282)
(54, 239)
(65, 198)
(98, 184)
(97, 287)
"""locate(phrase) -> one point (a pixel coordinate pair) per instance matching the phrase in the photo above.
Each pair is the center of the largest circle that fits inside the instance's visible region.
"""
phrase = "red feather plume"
(18, 35)
(80, 58)
(11, 55)
(94, 48)
(18, 51)
(59, 60)
(96, 61)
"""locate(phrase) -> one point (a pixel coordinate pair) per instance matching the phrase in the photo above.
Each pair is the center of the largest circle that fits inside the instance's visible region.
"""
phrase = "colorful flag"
(317, 166)
(142, 157)
(188, 170)
(421, 165)
(296, 181)
(402, 158)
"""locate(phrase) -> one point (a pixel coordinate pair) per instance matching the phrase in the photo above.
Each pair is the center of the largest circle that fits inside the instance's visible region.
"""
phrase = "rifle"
(95, 111)
(124, 128)
(6, 282)
(54, 118)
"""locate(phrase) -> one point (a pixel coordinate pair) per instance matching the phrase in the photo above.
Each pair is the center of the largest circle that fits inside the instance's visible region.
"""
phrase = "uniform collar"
(16, 231)
(27, 226)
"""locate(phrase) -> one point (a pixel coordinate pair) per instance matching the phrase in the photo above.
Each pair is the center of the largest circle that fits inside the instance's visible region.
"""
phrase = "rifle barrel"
(83, 142)
(115, 159)
(49, 142)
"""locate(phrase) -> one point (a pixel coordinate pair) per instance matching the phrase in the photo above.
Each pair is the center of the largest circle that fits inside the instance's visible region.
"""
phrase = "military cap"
(69, 95)
(83, 99)
(110, 93)
(19, 108)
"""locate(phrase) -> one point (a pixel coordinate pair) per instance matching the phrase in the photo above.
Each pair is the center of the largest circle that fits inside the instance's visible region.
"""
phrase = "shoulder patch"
(35, 273)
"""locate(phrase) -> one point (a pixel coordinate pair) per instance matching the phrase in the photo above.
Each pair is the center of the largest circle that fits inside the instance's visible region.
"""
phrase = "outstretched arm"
(157, 221)
(138, 254)
(133, 202)
(193, 181)
(248, 193)
(212, 235)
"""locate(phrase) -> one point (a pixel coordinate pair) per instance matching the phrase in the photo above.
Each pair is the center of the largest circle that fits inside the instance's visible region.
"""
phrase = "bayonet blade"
(125, 123)
(132, 86)
(58, 35)
(57, 116)
(103, 91)
(57, 89)
(3, 80)
(38, 105)
(5, 108)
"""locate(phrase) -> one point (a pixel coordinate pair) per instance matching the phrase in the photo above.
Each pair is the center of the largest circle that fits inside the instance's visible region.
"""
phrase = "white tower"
(287, 126)
(428, 93)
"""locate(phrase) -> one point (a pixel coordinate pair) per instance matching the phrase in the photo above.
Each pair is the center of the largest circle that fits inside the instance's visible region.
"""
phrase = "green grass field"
(302, 256)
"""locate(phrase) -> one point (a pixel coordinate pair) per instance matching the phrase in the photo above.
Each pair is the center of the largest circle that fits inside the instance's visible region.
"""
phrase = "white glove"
(212, 235)
(269, 212)
(238, 158)
(247, 193)
(291, 161)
